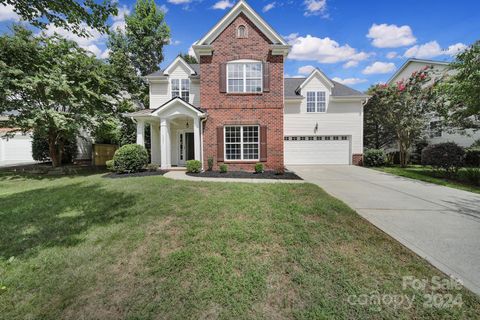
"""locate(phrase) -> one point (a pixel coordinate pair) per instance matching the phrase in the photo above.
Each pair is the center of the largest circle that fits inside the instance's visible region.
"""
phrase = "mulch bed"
(113, 175)
(249, 175)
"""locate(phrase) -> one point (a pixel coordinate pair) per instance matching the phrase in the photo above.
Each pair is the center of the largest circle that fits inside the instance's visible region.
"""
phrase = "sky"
(358, 43)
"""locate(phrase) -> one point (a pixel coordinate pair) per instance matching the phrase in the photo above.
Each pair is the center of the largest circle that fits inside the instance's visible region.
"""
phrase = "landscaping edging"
(114, 175)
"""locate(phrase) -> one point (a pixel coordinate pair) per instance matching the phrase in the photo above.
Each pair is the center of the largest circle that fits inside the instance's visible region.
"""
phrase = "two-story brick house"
(236, 107)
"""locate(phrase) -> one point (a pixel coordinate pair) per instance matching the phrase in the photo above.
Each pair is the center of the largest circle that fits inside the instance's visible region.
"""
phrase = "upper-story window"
(244, 77)
(181, 88)
(242, 32)
(316, 101)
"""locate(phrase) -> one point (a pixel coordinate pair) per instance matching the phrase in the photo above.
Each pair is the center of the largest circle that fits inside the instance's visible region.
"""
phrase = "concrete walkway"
(438, 223)
(181, 175)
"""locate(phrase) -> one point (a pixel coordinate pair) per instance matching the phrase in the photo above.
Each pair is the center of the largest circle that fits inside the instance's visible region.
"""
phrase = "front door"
(189, 146)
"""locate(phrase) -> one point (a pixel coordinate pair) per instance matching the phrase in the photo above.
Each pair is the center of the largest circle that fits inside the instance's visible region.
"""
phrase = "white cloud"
(432, 49)
(379, 67)
(223, 4)
(315, 7)
(349, 81)
(269, 6)
(306, 70)
(105, 54)
(392, 55)
(7, 13)
(390, 36)
(286, 75)
(179, 1)
(90, 43)
(119, 20)
(163, 8)
(350, 64)
(174, 42)
(322, 50)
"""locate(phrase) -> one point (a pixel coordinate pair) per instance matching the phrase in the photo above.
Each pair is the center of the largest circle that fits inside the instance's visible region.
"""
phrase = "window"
(316, 101)
(244, 77)
(181, 88)
(242, 32)
(435, 129)
(242, 143)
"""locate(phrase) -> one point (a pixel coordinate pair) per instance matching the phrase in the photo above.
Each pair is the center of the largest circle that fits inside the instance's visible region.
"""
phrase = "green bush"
(476, 144)
(194, 166)
(374, 158)
(259, 168)
(108, 131)
(40, 150)
(223, 168)
(210, 163)
(110, 165)
(447, 156)
(470, 175)
(152, 167)
(472, 157)
(130, 158)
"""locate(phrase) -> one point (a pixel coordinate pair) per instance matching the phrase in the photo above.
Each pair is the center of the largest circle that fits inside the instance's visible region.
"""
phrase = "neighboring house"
(236, 107)
(438, 133)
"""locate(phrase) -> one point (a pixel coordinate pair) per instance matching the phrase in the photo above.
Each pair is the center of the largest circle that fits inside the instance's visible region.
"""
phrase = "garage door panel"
(17, 148)
(317, 152)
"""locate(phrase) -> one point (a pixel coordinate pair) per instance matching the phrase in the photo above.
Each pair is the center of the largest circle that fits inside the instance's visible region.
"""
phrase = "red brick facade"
(357, 159)
(264, 109)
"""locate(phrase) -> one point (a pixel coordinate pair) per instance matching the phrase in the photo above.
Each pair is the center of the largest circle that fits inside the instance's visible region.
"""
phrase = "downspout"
(202, 121)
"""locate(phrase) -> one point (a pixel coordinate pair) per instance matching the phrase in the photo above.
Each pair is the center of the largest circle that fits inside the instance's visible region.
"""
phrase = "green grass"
(428, 174)
(88, 247)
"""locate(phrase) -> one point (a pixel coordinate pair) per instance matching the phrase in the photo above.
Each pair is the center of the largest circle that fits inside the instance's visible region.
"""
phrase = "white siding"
(341, 118)
(438, 70)
(160, 89)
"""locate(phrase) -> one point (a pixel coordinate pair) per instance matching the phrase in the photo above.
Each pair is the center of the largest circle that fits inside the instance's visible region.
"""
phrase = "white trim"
(348, 98)
(178, 60)
(180, 87)
(427, 62)
(241, 126)
(244, 63)
(172, 102)
(179, 133)
(240, 7)
(321, 74)
(316, 101)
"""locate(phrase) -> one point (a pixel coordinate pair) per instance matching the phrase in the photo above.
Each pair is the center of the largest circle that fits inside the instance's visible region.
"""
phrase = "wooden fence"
(101, 153)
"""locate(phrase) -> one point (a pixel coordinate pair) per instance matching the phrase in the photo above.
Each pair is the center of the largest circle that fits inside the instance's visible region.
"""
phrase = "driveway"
(438, 223)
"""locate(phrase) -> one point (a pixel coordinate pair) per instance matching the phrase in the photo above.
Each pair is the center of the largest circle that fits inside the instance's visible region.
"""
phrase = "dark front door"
(189, 146)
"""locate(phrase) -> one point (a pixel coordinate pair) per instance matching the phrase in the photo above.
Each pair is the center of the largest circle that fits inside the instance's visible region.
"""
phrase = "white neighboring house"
(323, 121)
(440, 69)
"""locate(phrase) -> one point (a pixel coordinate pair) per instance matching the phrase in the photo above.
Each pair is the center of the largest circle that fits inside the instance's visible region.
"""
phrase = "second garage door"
(18, 148)
(317, 150)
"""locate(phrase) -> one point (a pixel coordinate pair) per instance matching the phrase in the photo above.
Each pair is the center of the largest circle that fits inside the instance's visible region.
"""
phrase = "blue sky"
(358, 43)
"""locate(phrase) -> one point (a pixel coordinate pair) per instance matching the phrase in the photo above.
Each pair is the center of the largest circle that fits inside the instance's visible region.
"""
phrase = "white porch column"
(155, 142)
(196, 138)
(165, 156)
(141, 132)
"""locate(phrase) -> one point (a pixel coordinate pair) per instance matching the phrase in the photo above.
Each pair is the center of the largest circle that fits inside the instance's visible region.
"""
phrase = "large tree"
(188, 58)
(460, 94)
(376, 132)
(53, 87)
(407, 107)
(71, 15)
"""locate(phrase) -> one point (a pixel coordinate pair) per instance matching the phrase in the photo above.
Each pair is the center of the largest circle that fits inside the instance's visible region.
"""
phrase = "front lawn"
(89, 247)
(428, 174)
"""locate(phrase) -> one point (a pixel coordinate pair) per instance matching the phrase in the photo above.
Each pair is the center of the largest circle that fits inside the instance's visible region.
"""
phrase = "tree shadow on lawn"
(75, 172)
(56, 216)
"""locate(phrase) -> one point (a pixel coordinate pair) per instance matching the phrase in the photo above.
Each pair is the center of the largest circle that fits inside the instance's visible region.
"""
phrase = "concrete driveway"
(439, 223)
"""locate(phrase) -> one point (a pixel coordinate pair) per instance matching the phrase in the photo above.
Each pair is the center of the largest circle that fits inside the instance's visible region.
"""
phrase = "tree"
(407, 106)
(71, 15)
(188, 58)
(460, 94)
(377, 134)
(54, 87)
(146, 34)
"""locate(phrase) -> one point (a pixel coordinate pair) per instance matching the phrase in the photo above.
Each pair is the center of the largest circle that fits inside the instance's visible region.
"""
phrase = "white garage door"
(317, 150)
(16, 148)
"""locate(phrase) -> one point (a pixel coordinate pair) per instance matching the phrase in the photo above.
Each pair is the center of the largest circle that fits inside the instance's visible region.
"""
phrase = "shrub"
(476, 144)
(223, 168)
(470, 175)
(374, 158)
(280, 171)
(392, 158)
(194, 166)
(259, 168)
(110, 165)
(130, 158)
(152, 167)
(210, 163)
(40, 151)
(472, 157)
(447, 156)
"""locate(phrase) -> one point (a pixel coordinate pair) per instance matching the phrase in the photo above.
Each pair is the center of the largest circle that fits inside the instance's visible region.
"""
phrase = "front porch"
(175, 132)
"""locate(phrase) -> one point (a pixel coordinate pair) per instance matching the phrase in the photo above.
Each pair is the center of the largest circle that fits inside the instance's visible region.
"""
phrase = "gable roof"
(411, 60)
(316, 72)
(147, 112)
(241, 7)
(160, 74)
(178, 59)
(291, 86)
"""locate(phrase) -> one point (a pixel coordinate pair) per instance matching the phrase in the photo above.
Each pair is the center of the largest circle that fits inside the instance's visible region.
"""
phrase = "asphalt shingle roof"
(339, 90)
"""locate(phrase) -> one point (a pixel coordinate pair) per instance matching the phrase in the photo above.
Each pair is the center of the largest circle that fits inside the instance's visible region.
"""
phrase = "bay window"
(242, 143)
(244, 77)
